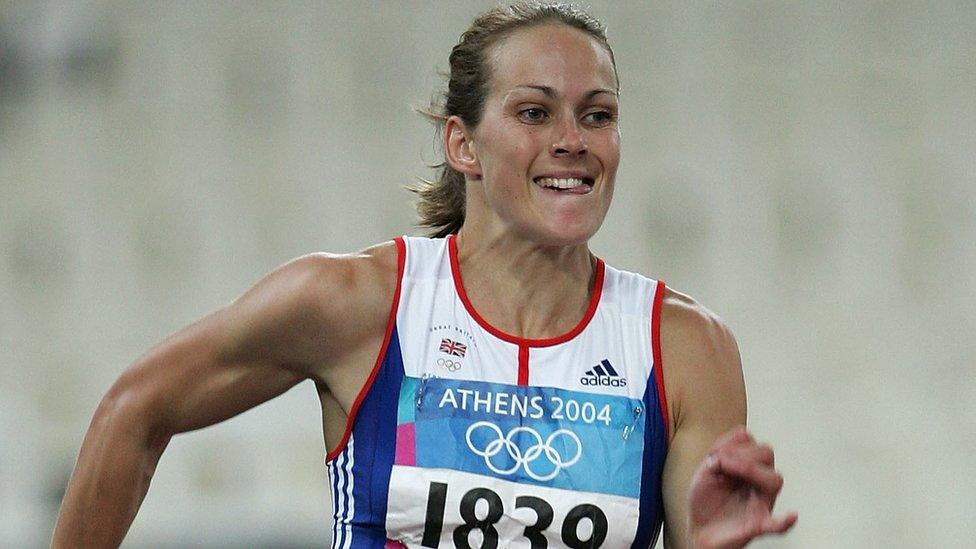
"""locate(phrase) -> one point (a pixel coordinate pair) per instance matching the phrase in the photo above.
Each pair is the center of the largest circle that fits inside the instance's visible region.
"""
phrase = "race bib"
(486, 465)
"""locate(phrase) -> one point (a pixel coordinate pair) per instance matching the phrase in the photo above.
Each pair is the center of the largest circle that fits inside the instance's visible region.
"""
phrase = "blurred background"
(805, 169)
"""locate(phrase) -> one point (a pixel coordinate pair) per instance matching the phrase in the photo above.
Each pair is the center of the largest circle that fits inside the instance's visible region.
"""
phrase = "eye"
(533, 114)
(600, 118)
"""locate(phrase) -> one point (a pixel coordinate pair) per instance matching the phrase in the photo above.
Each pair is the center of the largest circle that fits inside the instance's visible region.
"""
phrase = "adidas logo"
(604, 375)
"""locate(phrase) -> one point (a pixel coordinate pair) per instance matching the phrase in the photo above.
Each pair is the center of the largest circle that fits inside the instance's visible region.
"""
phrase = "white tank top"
(466, 436)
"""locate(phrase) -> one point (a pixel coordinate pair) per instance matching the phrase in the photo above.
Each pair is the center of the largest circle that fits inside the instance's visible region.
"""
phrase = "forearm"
(110, 480)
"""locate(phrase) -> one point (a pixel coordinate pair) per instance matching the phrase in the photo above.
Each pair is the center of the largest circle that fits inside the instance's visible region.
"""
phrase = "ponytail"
(441, 202)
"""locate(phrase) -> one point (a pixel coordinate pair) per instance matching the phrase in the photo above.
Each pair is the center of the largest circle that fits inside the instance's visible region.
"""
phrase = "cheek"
(610, 164)
(612, 148)
(513, 160)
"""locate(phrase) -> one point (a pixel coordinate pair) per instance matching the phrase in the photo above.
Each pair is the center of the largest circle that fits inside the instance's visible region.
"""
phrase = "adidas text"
(605, 381)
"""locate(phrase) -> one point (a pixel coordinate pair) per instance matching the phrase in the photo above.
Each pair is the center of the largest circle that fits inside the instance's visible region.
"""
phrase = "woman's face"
(548, 143)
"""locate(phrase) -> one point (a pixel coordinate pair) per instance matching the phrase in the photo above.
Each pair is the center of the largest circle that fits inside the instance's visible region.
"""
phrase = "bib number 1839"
(434, 521)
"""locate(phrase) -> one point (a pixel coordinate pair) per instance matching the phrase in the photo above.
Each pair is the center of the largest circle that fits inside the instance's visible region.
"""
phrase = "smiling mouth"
(574, 185)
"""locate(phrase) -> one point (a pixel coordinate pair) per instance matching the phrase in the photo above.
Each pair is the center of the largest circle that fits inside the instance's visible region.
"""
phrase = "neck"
(523, 288)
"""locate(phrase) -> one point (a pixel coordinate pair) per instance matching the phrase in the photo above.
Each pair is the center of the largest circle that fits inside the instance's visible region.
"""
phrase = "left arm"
(725, 500)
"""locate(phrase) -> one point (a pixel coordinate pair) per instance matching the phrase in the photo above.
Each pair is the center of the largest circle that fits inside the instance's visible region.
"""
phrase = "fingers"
(740, 472)
(744, 466)
(746, 531)
(762, 522)
(779, 525)
(760, 453)
(751, 530)
(739, 437)
(737, 455)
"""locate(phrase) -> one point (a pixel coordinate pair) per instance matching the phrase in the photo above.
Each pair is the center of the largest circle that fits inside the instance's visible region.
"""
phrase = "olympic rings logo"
(525, 458)
(451, 365)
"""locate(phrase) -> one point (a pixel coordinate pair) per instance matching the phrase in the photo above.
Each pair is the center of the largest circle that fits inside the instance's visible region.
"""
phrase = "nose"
(569, 141)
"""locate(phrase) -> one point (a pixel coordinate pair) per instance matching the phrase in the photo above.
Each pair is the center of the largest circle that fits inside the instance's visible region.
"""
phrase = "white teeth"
(560, 183)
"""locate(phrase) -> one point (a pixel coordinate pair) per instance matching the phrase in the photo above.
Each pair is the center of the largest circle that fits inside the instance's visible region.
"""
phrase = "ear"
(459, 148)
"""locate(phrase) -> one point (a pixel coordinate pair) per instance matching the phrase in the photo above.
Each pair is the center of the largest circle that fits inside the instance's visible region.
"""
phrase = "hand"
(732, 494)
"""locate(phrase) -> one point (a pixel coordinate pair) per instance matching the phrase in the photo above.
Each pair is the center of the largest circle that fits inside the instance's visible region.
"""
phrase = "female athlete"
(497, 385)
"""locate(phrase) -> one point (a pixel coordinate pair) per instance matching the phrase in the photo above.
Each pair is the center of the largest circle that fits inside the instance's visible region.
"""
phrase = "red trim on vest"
(390, 323)
(523, 365)
(658, 363)
(521, 341)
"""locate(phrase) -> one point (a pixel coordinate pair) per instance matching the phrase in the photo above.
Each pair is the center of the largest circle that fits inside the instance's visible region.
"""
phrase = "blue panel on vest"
(655, 452)
(373, 431)
(538, 435)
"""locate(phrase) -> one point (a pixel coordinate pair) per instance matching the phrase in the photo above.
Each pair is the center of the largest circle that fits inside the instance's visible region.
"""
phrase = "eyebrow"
(551, 93)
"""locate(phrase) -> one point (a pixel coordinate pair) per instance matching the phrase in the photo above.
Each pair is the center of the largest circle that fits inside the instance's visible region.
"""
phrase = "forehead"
(555, 55)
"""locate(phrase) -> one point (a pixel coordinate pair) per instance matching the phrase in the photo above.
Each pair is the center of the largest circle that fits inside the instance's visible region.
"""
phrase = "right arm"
(291, 326)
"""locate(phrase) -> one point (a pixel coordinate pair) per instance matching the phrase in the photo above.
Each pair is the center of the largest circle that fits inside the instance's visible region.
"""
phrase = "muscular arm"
(720, 485)
(289, 327)
(703, 377)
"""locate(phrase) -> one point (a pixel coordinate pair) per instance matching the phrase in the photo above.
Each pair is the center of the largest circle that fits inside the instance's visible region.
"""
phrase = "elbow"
(129, 409)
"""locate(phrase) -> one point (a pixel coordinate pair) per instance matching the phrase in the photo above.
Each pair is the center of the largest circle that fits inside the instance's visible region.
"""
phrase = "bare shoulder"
(307, 310)
(692, 330)
(334, 281)
(356, 290)
(700, 355)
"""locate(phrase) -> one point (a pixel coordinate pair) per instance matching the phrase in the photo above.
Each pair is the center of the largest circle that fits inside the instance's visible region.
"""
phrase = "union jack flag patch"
(452, 347)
